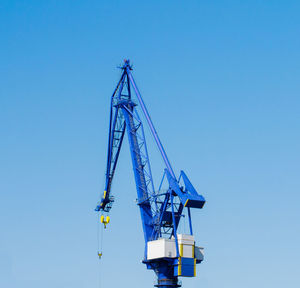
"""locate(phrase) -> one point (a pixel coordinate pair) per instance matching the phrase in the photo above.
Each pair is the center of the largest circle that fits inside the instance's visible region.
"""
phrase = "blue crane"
(169, 254)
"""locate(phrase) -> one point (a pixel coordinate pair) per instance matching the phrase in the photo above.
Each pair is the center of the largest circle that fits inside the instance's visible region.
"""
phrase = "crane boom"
(169, 254)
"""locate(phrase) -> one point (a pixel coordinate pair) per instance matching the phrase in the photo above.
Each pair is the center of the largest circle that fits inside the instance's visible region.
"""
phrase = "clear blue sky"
(221, 81)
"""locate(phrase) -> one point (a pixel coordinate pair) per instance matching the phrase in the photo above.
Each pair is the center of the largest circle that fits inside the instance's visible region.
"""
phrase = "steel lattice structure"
(162, 209)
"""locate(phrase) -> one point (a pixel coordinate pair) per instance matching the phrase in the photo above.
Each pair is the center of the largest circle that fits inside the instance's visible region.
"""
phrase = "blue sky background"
(221, 82)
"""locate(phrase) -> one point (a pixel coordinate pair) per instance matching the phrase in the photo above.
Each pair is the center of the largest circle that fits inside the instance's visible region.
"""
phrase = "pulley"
(104, 220)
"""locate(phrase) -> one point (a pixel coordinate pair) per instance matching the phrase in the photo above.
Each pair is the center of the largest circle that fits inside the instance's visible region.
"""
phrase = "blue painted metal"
(187, 267)
(174, 226)
(160, 210)
(190, 220)
(138, 169)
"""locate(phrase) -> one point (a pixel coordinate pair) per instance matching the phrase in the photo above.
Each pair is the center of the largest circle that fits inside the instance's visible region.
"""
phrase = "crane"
(168, 253)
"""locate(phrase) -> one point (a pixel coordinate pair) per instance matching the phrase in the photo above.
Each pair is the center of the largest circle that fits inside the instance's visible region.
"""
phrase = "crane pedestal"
(167, 283)
(165, 276)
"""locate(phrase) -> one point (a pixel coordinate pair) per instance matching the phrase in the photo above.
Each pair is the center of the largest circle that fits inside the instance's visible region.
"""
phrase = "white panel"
(188, 251)
(186, 239)
(166, 248)
(161, 248)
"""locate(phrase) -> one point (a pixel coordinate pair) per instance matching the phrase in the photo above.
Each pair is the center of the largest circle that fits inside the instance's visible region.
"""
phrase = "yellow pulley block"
(104, 220)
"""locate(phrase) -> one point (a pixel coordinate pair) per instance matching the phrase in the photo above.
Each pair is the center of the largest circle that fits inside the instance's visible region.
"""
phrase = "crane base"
(167, 283)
